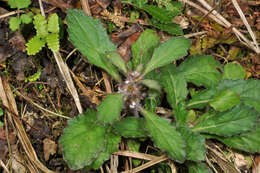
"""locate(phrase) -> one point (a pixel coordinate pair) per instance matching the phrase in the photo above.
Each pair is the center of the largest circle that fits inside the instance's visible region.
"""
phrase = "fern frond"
(34, 45)
(26, 18)
(53, 23)
(19, 3)
(53, 41)
(40, 24)
(14, 23)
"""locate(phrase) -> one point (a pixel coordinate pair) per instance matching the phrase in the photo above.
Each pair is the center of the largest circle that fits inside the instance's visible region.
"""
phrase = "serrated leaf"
(174, 85)
(225, 100)
(40, 24)
(167, 52)
(19, 3)
(165, 136)
(53, 23)
(161, 14)
(26, 18)
(153, 99)
(198, 167)
(130, 127)
(142, 49)
(248, 90)
(248, 142)
(233, 71)
(53, 41)
(110, 109)
(171, 28)
(14, 23)
(117, 60)
(112, 142)
(201, 70)
(201, 99)
(195, 144)
(235, 121)
(180, 114)
(88, 35)
(34, 45)
(152, 84)
(83, 140)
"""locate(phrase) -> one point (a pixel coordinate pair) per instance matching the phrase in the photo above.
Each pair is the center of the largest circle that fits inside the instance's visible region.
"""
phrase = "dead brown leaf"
(49, 148)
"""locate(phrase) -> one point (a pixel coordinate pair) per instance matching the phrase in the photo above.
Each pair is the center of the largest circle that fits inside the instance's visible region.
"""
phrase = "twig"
(228, 25)
(38, 106)
(194, 34)
(148, 164)
(3, 166)
(222, 21)
(203, 11)
(85, 7)
(41, 8)
(136, 155)
(67, 77)
(242, 16)
(17, 116)
(11, 13)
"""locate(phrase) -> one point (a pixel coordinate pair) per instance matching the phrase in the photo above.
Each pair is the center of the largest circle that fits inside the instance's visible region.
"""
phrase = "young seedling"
(231, 116)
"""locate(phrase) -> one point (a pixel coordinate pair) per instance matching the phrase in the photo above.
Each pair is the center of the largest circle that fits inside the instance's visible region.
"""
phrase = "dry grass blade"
(136, 155)
(3, 166)
(7, 97)
(65, 72)
(66, 76)
(222, 21)
(148, 164)
(242, 16)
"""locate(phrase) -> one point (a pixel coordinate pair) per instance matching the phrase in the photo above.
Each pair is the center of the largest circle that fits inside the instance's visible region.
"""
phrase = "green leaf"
(201, 70)
(83, 140)
(134, 146)
(19, 3)
(235, 121)
(110, 109)
(174, 84)
(248, 90)
(14, 23)
(201, 99)
(34, 45)
(225, 100)
(164, 135)
(1, 112)
(180, 114)
(53, 23)
(171, 28)
(116, 59)
(112, 142)
(195, 144)
(131, 127)
(142, 49)
(167, 52)
(248, 142)
(152, 84)
(198, 167)
(33, 77)
(40, 24)
(234, 71)
(153, 99)
(161, 14)
(88, 35)
(53, 41)
(26, 18)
